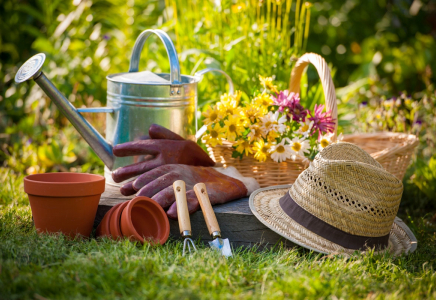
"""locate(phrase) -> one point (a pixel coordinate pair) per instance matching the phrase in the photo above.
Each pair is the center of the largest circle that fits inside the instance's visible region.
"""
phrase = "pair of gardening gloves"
(167, 157)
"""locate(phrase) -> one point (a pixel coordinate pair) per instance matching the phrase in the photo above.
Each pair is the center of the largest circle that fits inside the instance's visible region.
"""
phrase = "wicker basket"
(392, 150)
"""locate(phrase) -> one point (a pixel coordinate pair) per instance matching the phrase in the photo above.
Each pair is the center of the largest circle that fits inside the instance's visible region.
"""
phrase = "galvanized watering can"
(135, 100)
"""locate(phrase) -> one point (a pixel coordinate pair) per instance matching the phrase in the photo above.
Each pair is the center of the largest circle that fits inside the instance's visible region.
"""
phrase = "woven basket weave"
(392, 150)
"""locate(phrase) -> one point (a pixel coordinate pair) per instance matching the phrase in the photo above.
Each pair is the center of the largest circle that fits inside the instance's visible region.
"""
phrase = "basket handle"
(326, 81)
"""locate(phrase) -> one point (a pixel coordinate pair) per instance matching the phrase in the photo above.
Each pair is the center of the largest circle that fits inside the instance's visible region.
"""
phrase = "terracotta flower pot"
(143, 218)
(103, 229)
(64, 202)
(115, 227)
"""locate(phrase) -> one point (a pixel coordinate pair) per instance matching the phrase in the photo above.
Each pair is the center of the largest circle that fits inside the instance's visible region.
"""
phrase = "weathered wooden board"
(235, 218)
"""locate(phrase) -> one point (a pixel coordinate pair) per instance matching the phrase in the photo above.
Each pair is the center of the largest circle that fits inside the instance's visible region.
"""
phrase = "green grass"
(52, 267)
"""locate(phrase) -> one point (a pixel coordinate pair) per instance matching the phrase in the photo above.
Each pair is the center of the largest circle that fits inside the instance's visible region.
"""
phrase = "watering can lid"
(144, 77)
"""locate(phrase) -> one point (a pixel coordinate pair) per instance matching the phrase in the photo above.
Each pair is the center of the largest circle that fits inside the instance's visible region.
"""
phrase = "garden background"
(383, 60)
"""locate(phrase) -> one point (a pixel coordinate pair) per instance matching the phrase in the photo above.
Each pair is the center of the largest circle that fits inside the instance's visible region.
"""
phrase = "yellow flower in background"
(261, 150)
(263, 101)
(215, 136)
(252, 113)
(212, 115)
(238, 7)
(243, 146)
(267, 83)
(237, 95)
(389, 103)
(255, 133)
(233, 128)
(227, 98)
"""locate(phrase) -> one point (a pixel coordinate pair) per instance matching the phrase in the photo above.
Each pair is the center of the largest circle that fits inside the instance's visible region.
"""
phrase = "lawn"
(52, 267)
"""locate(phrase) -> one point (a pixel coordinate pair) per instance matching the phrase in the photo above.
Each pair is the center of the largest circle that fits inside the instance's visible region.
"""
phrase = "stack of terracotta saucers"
(140, 219)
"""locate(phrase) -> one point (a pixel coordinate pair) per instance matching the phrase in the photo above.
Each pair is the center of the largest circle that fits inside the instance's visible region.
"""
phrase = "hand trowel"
(219, 244)
(183, 215)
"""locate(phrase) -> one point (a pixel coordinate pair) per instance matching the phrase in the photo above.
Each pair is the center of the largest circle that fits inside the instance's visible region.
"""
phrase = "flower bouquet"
(265, 135)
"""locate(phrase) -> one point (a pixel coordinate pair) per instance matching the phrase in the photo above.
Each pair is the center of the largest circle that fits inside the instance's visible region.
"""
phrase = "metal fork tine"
(184, 247)
(190, 244)
(183, 215)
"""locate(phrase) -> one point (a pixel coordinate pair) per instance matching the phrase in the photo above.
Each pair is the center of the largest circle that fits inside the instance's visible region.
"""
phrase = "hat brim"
(264, 203)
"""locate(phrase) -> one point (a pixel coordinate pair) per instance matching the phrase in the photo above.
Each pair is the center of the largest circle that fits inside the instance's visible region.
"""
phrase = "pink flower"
(291, 103)
(283, 99)
(322, 121)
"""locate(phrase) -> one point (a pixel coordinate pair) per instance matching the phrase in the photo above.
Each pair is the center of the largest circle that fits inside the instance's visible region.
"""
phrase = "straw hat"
(345, 201)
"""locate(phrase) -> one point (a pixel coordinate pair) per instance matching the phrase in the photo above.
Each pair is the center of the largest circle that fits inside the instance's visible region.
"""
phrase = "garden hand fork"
(183, 215)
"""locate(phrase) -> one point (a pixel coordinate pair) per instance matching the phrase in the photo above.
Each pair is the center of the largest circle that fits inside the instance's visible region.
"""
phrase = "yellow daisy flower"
(212, 115)
(215, 136)
(233, 128)
(252, 113)
(243, 146)
(228, 108)
(261, 150)
(267, 83)
(263, 100)
(272, 135)
(243, 120)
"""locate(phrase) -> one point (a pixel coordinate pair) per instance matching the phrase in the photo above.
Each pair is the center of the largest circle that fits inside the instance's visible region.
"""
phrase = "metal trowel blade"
(222, 246)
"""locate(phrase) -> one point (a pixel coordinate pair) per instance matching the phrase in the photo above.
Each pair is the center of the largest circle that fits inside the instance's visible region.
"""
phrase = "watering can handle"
(229, 80)
(199, 74)
(175, 76)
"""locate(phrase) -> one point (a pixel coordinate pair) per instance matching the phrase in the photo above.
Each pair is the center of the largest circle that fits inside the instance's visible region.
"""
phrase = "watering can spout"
(32, 70)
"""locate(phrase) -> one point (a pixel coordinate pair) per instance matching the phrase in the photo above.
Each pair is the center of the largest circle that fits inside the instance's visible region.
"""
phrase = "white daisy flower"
(299, 146)
(305, 127)
(281, 152)
(273, 121)
(324, 141)
(279, 122)
(266, 123)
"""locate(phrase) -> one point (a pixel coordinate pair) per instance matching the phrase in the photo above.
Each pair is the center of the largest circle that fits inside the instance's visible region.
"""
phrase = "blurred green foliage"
(385, 40)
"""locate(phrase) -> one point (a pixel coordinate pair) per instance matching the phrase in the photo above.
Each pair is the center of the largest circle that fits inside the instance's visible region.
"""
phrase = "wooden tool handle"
(182, 206)
(206, 207)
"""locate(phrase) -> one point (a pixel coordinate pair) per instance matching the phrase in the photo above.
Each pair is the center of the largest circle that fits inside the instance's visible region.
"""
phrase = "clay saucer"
(103, 229)
(144, 220)
(114, 227)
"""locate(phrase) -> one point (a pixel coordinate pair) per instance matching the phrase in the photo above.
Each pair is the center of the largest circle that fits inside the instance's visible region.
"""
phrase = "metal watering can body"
(135, 100)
